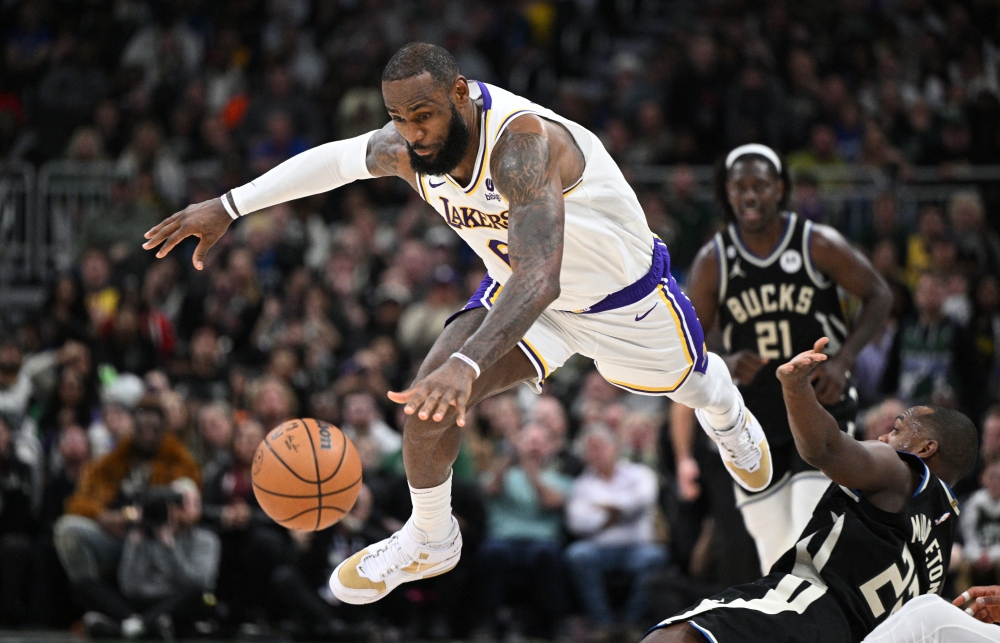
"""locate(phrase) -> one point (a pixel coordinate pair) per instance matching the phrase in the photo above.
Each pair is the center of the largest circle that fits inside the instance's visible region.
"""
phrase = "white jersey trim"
(769, 259)
(814, 274)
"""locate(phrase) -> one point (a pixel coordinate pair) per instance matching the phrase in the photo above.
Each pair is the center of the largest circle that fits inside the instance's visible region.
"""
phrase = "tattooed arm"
(530, 164)
(387, 156)
(323, 168)
(526, 173)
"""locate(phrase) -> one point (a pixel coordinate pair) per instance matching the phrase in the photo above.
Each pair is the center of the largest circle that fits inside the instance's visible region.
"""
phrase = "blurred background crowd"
(144, 383)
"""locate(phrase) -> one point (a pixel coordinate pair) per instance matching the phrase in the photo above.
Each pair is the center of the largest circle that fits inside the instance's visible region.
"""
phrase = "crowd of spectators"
(146, 384)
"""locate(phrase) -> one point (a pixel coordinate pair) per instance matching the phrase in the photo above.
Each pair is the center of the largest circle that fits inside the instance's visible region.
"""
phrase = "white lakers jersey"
(606, 245)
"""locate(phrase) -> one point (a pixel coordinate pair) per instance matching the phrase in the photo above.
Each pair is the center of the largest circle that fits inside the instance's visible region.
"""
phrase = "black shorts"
(779, 608)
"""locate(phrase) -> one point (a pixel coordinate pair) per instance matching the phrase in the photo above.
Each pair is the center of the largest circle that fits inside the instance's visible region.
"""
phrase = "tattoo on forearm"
(522, 168)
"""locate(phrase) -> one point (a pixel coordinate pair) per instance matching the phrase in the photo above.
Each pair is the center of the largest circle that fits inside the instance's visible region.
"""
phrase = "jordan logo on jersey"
(466, 217)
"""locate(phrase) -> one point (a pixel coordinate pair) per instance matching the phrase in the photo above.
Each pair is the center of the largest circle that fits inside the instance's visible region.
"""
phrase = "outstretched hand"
(430, 398)
(207, 220)
(984, 603)
(801, 367)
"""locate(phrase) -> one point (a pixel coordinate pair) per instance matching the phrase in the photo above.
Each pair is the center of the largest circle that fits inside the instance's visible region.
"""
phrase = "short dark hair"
(722, 175)
(958, 441)
(416, 58)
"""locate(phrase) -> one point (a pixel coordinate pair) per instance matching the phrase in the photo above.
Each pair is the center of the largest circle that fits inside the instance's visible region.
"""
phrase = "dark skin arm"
(835, 258)
(530, 165)
(871, 467)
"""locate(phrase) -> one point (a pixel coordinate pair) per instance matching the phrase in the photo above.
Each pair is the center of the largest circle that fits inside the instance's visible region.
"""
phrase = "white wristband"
(468, 361)
(229, 208)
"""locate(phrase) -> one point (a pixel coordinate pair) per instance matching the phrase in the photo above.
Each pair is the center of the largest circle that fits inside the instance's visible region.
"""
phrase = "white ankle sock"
(724, 422)
(432, 510)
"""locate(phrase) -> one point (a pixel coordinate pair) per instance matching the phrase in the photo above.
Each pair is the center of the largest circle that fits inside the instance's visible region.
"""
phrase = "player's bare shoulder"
(387, 155)
(829, 248)
(542, 142)
(705, 267)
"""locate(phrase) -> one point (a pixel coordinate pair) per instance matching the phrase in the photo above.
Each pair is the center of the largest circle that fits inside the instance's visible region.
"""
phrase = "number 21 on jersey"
(767, 339)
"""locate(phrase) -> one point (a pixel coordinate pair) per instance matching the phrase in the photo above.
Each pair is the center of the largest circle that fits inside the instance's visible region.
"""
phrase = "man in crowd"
(90, 536)
(525, 500)
(612, 509)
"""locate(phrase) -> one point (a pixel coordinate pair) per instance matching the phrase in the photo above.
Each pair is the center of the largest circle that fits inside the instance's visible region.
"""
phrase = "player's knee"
(711, 389)
(415, 428)
(677, 633)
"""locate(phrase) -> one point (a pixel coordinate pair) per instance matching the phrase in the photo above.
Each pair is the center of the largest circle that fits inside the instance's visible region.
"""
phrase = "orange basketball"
(306, 474)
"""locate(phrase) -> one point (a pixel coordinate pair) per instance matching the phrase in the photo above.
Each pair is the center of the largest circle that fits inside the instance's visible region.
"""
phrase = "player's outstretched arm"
(869, 466)
(849, 269)
(983, 603)
(526, 173)
(323, 168)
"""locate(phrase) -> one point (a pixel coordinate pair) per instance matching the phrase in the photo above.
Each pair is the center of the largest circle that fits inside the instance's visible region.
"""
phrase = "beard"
(451, 153)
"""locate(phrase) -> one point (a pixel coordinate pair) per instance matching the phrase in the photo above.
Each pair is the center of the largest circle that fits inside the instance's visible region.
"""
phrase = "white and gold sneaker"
(403, 557)
(744, 451)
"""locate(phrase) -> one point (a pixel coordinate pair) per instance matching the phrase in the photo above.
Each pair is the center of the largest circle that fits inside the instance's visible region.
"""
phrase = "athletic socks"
(432, 511)
(724, 423)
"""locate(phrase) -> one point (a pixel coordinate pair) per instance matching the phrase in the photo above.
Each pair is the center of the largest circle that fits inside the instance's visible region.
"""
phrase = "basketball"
(306, 474)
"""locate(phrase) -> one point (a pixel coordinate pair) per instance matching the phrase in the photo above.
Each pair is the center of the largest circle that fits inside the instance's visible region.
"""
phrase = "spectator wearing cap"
(612, 509)
(89, 537)
(119, 398)
(422, 322)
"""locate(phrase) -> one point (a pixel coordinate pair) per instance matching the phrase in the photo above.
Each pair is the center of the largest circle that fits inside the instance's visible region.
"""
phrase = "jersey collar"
(769, 259)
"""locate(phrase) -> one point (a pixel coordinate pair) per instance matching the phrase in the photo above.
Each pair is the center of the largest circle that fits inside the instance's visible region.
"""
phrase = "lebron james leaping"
(573, 268)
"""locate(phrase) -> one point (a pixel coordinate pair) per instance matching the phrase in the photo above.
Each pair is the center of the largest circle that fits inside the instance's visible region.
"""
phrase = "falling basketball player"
(771, 278)
(880, 536)
(573, 268)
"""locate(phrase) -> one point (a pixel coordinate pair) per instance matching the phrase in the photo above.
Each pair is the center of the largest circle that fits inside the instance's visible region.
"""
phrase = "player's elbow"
(821, 454)
(880, 295)
(547, 287)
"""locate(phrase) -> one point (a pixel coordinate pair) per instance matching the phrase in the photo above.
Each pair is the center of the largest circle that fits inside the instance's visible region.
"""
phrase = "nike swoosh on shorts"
(643, 316)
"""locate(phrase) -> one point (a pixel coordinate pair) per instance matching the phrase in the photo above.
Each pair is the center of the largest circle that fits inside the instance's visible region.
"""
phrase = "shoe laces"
(741, 449)
(385, 560)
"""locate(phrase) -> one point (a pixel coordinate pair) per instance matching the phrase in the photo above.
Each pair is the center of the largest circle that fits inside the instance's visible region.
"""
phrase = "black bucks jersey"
(854, 566)
(777, 306)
